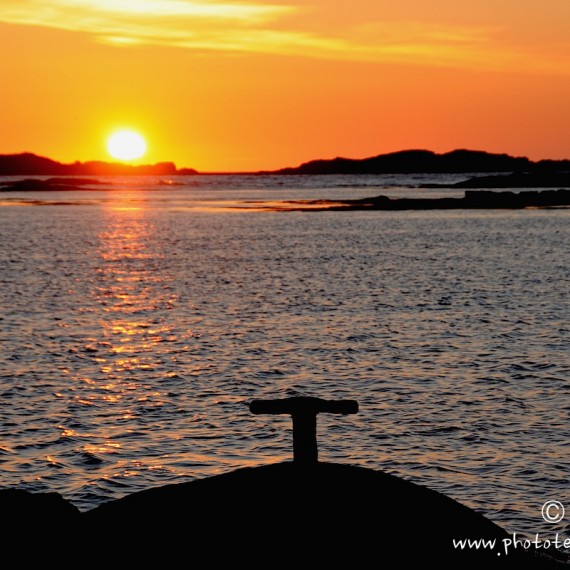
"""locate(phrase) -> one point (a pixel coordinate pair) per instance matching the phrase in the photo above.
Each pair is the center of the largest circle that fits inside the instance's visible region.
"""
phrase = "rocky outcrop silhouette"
(298, 514)
(29, 164)
(284, 514)
(425, 161)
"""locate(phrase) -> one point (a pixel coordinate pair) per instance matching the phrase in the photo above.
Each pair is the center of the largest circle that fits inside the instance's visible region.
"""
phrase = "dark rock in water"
(519, 180)
(514, 200)
(540, 179)
(52, 184)
(473, 200)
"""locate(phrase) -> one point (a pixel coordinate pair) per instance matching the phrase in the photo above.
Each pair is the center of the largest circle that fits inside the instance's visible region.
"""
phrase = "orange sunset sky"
(263, 84)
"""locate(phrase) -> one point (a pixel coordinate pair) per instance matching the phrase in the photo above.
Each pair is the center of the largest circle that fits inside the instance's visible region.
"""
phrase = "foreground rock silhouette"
(325, 514)
(289, 514)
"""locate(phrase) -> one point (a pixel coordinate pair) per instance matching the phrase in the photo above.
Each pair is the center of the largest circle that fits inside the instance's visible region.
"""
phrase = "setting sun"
(126, 145)
(248, 85)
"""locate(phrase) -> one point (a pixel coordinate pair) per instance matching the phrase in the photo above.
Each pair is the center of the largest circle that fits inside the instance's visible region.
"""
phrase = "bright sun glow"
(126, 145)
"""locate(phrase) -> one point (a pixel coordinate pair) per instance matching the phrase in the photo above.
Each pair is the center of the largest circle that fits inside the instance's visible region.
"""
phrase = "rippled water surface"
(137, 325)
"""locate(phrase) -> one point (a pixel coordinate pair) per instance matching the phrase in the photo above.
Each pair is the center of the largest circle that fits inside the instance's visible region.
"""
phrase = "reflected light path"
(131, 290)
(124, 406)
(135, 402)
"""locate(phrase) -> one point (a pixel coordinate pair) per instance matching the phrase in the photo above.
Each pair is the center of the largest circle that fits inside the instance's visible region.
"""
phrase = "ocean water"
(138, 321)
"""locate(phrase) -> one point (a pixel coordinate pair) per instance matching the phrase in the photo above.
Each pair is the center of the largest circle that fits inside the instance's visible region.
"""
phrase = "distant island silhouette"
(29, 164)
(426, 161)
(402, 162)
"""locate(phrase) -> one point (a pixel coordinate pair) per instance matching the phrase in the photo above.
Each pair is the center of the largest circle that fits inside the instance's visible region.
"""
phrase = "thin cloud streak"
(262, 28)
(157, 9)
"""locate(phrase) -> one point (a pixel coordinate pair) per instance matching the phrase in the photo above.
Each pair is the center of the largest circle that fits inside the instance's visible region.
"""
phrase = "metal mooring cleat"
(304, 410)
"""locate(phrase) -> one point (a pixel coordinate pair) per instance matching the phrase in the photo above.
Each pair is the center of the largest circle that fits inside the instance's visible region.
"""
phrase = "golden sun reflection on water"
(131, 414)
(130, 292)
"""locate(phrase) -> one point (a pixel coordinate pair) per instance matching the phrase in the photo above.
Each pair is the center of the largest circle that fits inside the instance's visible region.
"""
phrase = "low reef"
(539, 179)
(56, 184)
(472, 200)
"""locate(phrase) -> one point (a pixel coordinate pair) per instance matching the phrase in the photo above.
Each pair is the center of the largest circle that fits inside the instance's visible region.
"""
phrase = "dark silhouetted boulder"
(285, 515)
